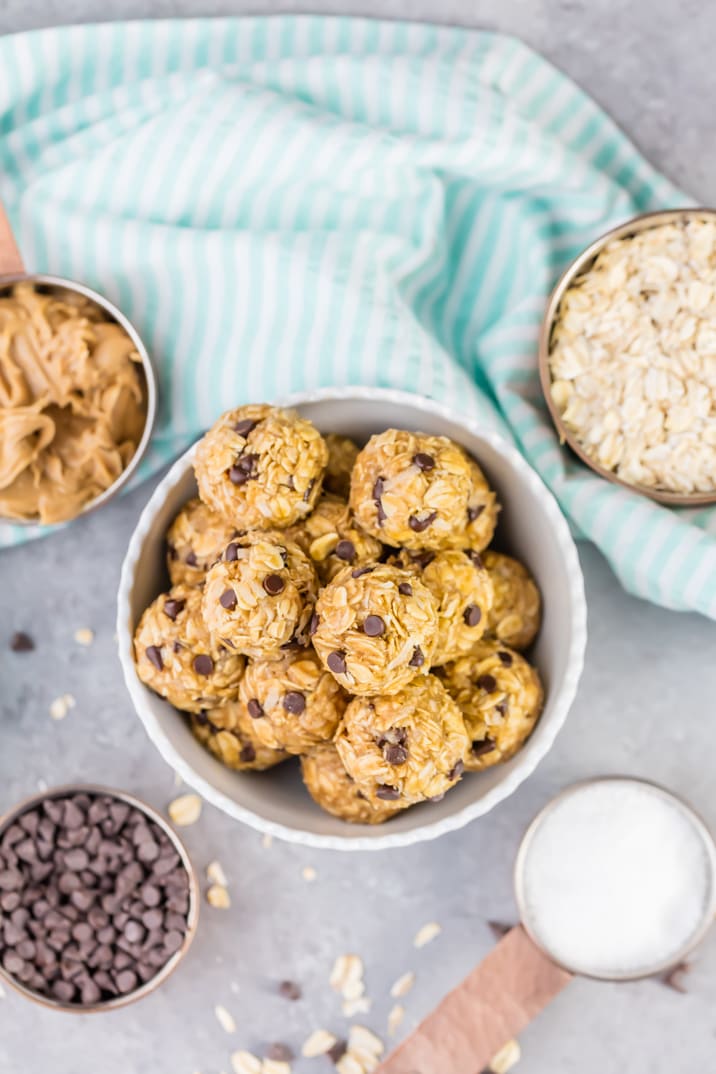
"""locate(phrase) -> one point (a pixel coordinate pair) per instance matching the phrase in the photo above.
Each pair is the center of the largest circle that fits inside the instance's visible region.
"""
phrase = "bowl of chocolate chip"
(98, 899)
(352, 619)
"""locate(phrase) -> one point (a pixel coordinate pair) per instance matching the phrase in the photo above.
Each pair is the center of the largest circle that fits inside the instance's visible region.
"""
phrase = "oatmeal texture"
(72, 403)
(176, 657)
(293, 703)
(195, 541)
(259, 597)
(332, 539)
(229, 733)
(633, 357)
(375, 628)
(412, 491)
(330, 786)
(342, 454)
(463, 590)
(408, 747)
(514, 617)
(261, 467)
(483, 510)
(500, 696)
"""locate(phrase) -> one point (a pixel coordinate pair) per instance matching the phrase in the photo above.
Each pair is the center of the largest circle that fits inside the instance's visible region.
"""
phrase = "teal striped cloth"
(286, 202)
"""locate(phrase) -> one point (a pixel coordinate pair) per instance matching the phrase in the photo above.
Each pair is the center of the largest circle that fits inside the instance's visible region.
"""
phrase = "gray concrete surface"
(644, 706)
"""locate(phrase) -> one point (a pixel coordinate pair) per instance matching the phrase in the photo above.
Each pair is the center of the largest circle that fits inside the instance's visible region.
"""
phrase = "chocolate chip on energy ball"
(418, 658)
(378, 489)
(419, 525)
(395, 754)
(203, 664)
(475, 512)
(475, 558)
(472, 615)
(456, 771)
(313, 625)
(254, 709)
(485, 745)
(243, 428)
(228, 600)
(191, 560)
(274, 584)
(488, 683)
(154, 656)
(373, 626)
(290, 990)
(387, 793)
(346, 550)
(337, 662)
(231, 552)
(504, 658)
(172, 607)
(405, 589)
(360, 571)
(423, 461)
(21, 642)
(294, 702)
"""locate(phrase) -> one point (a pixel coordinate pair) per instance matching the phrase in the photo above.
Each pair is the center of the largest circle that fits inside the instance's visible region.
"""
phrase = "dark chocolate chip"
(243, 428)
(475, 512)
(406, 589)
(309, 489)
(346, 550)
(190, 559)
(505, 658)
(228, 599)
(231, 552)
(203, 664)
(337, 662)
(280, 1053)
(313, 625)
(289, 990)
(294, 702)
(474, 558)
(488, 683)
(360, 571)
(386, 792)
(472, 615)
(172, 607)
(499, 928)
(254, 708)
(274, 584)
(485, 745)
(373, 626)
(154, 656)
(456, 771)
(395, 755)
(418, 658)
(21, 642)
(126, 981)
(336, 1052)
(423, 461)
(419, 525)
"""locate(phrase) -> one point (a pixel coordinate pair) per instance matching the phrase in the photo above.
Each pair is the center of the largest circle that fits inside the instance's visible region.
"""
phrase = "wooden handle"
(492, 1005)
(10, 259)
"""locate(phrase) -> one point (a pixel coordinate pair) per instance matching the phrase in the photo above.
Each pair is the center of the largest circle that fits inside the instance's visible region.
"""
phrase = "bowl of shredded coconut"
(627, 356)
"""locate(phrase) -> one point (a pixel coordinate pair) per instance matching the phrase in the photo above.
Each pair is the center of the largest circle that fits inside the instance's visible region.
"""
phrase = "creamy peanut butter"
(72, 403)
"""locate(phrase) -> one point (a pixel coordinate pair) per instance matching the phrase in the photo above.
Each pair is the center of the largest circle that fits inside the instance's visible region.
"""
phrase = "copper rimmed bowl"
(578, 267)
(531, 527)
(192, 915)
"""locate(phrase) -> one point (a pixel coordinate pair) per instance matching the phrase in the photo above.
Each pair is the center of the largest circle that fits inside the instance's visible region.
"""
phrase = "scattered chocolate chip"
(254, 708)
(485, 745)
(203, 664)
(419, 525)
(475, 512)
(191, 560)
(472, 615)
(172, 607)
(154, 656)
(488, 683)
(406, 589)
(247, 754)
(21, 642)
(228, 599)
(336, 1052)
(423, 461)
(346, 550)
(294, 702)
(360, 571)
(499, 928)
(387, 793)
(456, 771)
(395, 755)
(505, 658)
(231, 552)
(289, 990)
(673, 978)
(373, 626)
(418, 658)
(243, 428)
(274, 584)
(313, 625)
(280, 1053)
(337, 662)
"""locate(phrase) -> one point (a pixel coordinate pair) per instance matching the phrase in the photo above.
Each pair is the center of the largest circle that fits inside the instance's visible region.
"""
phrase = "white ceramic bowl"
(531, 526)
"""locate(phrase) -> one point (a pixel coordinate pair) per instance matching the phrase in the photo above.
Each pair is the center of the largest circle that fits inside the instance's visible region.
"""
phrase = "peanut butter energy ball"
(405, 748)
(293, 703)
(500, 696)
(261, 467)
(515, 614)
(195, 541)
(375, 628)
(463, 589)
(413, 491)
(333, 539)
(259, 597)
(228, 732)
(342, 454)
(332, 789)
(177, 658)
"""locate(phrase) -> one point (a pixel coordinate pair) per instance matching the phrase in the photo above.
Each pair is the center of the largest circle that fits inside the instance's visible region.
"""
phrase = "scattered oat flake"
(396, 1016)
(218, 897)
(508, 1055)
(365, 1039)
(360, 1005)
(427, 933)
(61, 706)
(348, 1064)
(245, 1063)
(185, 810)
(308, 873)
(275, 1066)
(347, 972)
(84, 636)
(225, 1019)
(402, 986)
(267, 841)
(319, 1042)
(215, 874)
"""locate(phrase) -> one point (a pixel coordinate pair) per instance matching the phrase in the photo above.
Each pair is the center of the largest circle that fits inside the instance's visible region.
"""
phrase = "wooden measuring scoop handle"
(10, 259)
(491, 1006)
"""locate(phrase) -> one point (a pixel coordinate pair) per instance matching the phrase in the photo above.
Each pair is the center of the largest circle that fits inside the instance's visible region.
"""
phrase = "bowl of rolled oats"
(351, 620)
(627, 356)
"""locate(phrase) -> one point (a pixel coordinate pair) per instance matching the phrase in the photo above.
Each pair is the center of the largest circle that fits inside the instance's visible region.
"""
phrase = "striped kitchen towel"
(286, 202)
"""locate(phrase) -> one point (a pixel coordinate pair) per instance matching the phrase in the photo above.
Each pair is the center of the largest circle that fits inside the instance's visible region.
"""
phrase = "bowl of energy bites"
(352, 620)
